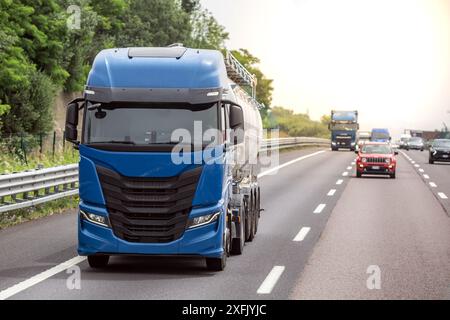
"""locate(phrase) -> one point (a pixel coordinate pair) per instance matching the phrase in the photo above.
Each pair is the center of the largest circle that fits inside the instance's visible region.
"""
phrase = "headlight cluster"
(364, 160)
(94, 218)
(387, 160)
(203, 220)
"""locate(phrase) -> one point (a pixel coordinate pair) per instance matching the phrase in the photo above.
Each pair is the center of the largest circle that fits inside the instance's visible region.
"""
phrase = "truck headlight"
(387, 160)
(364, 160)
(203, 220)
(333, 143)
(95, 218)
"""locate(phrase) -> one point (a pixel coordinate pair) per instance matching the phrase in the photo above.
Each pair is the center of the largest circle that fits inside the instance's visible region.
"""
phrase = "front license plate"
(375, 168)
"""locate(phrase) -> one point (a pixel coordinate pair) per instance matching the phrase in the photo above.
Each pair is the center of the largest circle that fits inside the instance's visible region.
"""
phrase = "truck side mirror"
(71, 132)
(237, 123)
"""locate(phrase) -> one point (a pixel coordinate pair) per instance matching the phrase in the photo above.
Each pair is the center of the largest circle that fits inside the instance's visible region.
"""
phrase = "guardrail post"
(54, 144)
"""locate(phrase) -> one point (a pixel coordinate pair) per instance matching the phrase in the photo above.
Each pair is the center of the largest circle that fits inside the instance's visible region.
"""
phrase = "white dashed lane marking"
(320, 208)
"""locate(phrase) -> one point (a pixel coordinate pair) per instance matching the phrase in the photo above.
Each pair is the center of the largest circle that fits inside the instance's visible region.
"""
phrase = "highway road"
(321, 231)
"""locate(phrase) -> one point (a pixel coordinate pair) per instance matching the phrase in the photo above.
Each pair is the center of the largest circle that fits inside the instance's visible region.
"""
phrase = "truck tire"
(219, 264)
(430, 161)
(237, 244)
(98, 261)
(216, 264)
(358, 174)
(392, 175)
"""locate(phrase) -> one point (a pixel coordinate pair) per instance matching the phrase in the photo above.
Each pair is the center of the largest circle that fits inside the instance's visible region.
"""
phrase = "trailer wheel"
(98, 261)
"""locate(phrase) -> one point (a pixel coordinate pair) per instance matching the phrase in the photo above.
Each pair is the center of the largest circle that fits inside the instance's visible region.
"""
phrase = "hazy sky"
(389, 59)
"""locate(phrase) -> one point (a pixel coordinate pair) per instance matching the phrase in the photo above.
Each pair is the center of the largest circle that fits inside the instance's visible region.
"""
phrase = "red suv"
(376, 158)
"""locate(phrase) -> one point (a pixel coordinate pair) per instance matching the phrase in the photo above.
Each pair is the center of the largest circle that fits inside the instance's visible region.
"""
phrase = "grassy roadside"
(12, 163)
(11, 218)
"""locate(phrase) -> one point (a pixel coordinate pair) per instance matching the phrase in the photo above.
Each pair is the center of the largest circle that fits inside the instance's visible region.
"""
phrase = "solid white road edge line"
(274, 170)
(271, 280)
(21, 286)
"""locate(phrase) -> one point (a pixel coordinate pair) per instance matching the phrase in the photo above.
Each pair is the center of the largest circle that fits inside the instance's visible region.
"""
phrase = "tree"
(264, 88)
(207, 33)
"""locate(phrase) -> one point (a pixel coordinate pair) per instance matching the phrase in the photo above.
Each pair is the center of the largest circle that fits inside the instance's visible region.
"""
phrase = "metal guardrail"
(29, 188)
(33, 187)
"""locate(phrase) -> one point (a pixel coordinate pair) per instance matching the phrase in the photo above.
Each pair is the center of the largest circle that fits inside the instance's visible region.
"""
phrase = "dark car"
(416, 143)
(440, 151)
(376, 158)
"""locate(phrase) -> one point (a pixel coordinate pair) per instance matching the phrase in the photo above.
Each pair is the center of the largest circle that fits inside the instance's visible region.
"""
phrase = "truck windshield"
(344, 126)
(380, 136)
(140, 124)
(441, 144)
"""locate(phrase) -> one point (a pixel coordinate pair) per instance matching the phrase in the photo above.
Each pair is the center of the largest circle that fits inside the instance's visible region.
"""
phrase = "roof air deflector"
(162, 52)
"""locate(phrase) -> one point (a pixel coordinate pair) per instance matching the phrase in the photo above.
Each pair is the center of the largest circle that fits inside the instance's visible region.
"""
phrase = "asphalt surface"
(397, 224)
(436, 176)
(396, 227)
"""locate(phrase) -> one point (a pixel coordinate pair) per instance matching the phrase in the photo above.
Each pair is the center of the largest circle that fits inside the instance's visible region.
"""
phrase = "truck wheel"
(98, 261)
(216, 264)
(430, 161)
(219, 264)
(237, 244)
(392, 175)
(358, 174)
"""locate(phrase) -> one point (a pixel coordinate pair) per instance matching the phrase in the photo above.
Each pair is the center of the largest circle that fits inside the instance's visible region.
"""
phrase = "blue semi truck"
(344, 127)
(161, 129)
(380, 135)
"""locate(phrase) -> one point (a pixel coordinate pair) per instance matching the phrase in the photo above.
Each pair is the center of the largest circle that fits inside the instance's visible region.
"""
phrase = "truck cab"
(380, 135)
(343, 126)
(160, 130)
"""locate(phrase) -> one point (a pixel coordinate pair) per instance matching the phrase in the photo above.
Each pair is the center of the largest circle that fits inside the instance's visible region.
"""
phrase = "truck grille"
(375, 160)
(150, 210)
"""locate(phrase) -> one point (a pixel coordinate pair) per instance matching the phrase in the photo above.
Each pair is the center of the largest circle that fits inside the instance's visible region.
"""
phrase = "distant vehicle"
(416, 143)
(363, 137)
(343, 127)
(404, 140)
(376, 158)
(380, 135)
(440, 151)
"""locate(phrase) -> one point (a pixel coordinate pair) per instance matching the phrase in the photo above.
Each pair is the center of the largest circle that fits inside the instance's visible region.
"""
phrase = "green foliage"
(264, 88)
(31, 105)
(207, 33)
(40, 54)
(8, 219)
(296, 124)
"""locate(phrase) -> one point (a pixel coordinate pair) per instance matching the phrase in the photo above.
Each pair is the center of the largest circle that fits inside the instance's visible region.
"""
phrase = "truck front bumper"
(204, 241)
